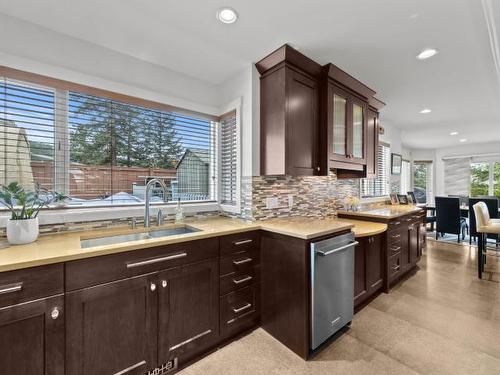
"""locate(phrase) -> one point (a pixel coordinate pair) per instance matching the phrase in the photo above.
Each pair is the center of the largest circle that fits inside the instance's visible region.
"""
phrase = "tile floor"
(442, 320)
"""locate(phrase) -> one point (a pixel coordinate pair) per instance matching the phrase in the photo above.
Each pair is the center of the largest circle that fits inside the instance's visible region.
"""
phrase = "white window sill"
(71, 215)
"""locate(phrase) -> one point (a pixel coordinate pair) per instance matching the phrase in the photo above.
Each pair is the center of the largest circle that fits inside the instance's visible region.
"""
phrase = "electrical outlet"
(272, 202)
(290, 200)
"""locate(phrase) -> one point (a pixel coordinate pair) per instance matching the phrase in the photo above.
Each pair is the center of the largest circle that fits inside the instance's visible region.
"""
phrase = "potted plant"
(22, 226)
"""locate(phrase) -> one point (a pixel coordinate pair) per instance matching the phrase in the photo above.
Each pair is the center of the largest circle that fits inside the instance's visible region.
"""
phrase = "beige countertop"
(64, 247)
(384, 212)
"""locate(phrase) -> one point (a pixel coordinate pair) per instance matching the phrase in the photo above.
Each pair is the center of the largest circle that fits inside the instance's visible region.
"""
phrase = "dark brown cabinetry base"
(368, 269)
(402, 245)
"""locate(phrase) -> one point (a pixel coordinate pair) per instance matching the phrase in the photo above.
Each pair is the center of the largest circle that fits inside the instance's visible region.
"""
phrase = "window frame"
(234, 105)
(61, 90)
(372, 180)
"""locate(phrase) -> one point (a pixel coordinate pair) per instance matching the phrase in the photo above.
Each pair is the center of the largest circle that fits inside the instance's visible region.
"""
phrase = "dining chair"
(492, 206)
(448, 218)
(485, 226)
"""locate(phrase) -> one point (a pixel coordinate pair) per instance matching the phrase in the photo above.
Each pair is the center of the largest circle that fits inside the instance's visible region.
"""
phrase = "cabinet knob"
(152, 286)
(318, 168)
(164, 283)
(54, 314)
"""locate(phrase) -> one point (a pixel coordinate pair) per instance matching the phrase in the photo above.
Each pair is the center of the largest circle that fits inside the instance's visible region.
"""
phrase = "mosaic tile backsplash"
(315, 196)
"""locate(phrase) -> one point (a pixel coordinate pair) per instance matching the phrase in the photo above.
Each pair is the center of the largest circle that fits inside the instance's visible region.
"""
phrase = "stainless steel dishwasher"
(332, 286)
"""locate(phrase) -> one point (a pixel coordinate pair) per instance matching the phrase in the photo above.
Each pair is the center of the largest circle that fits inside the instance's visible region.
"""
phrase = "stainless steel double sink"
(137, 236)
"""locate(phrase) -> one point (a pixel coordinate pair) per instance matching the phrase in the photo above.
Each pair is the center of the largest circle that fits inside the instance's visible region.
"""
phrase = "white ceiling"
(376, 41)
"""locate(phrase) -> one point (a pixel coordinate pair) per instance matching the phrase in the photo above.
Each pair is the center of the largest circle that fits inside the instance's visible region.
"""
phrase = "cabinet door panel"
(31, 341)
(302, 124)
(405, 248)
(375, 264)
(357, 131)
(112, 328)
(188, 311)
(414, 244)
(360, 284)
(339, 125)
(372, 145)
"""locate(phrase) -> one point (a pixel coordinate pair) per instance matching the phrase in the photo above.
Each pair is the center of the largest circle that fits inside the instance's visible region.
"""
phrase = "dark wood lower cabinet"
(368, 268)
(112, 328)
(32, 338)
(188, 311)
(401, 247)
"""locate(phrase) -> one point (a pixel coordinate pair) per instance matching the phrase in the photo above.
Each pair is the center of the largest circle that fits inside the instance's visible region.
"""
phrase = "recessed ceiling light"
(426, 110)
(454, 133)
(227, 15)
(463, 140)
(426, 53)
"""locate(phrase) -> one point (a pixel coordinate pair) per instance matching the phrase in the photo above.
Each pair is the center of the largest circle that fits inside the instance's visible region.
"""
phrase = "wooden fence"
(96, 181)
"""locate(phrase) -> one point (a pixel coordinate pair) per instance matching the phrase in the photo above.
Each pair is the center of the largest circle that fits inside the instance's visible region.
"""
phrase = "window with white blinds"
(100, 151)
(405, 177)
(229, 159)
(379, 186)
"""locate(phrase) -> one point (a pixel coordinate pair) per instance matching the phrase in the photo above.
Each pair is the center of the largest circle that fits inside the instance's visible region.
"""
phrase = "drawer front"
(239, 261)
(394, 267)
(240, 310)
(394, 237)
(394, 249)
(93, 271)
(31, 283)
(395, 224)
(239, 280)
(236, 243)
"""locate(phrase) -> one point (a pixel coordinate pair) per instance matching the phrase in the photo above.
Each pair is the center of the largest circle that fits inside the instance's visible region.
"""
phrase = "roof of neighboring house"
(201, 154)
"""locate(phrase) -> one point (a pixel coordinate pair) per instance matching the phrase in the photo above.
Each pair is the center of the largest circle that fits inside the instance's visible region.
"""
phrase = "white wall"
(39, 50)
(245, 85)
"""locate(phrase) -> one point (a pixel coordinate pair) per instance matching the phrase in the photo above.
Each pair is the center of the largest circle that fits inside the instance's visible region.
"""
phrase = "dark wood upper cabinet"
(112, 328)
(32, 337)
(289, 114)
(346, 124)
(314, 119)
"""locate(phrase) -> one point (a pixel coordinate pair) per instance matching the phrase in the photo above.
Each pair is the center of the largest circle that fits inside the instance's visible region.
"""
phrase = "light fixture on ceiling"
(425, 111)
(454, 133)
(426, 53)
(463, 140)
(227, 15)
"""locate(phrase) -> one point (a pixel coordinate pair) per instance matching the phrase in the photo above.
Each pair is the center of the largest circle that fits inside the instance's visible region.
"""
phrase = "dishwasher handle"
(336, 250)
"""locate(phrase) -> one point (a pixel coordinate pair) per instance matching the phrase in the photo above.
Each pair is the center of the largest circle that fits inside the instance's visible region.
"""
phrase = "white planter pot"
(22, 231)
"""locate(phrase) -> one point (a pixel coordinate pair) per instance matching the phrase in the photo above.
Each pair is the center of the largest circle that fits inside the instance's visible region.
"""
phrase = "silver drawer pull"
(396, 249)
(190, 340)
(395, 268)
(238, 243)
(242, 261)
(156, 260)
(396, 223)
(239, 281)
(243, 308)
(395, 235)
(11, 288)
(128, 369)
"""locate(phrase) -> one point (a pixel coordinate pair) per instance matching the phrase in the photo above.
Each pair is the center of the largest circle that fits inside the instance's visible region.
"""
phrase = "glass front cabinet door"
(346, 128)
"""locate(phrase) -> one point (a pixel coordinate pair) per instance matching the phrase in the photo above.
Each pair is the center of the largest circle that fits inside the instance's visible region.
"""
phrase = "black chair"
(429, 219)
(448, 219)
(464, 201)
(492, 204)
